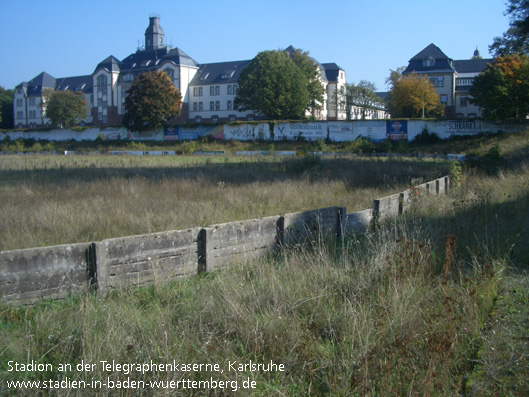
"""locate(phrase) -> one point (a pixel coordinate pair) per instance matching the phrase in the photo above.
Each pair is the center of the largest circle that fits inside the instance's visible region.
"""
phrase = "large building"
(452, 79)
(208, 90)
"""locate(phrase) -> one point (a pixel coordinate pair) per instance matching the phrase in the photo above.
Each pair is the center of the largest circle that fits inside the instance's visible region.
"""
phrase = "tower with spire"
(154, 34)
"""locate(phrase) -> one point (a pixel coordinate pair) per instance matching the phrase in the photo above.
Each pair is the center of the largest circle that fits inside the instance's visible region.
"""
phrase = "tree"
(274, 86)
(413, 95)
(6, 108)
(314, 85)
(502, 89)
(516, 38)
(362, 96)
(151, 101)
(65, 108)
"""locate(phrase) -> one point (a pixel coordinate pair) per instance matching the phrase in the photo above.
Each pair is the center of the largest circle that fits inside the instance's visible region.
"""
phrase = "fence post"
(376, 213)
(91, 267)
(202, 250)
(280, 232)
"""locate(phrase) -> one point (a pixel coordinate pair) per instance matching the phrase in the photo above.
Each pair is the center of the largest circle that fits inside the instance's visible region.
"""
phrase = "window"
(32, 101)
(20, 115)
(102, 84)
(217, 105)
(463, 101)
(214, 119)
(197, 91)
(212, 105)
(128, 77)
(229, 105)
(170, 73)
(232, 117)
(250, 117)
(214, 90)
(32, 114)
(472, 115)
(200, 106)
(198, 119)
(195, 107)
(19, 103)
(428, 62)
(464, 81)
(438, 81)
(229, 90)
(444, 98)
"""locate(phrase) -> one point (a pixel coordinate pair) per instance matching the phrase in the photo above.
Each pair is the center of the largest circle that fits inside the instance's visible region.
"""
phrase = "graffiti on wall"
(293, 131)
(184, 133)
(397, 130)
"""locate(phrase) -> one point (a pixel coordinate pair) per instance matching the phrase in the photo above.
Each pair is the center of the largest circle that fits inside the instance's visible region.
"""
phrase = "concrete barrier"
(30, 275)
(386, 207)
(298, 227)
(235, 242)
(145, 259)
(359, 222)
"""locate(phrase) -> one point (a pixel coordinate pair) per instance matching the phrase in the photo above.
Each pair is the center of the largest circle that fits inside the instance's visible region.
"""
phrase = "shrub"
(427, 137)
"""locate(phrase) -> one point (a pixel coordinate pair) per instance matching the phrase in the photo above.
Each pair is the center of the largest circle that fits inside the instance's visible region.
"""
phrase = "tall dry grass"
(397, 311)
(50, 200)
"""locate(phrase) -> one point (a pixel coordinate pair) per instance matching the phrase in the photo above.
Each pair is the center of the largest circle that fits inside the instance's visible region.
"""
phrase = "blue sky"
(366, 38)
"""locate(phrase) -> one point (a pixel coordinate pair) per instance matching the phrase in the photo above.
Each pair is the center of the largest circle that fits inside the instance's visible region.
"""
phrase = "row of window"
(32, 114)
(31, 102)
(438, 81)
(213, 105)
(214, 90)
(231, 117)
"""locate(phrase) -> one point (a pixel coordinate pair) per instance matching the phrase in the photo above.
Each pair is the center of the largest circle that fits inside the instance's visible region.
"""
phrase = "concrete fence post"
(342, 219)
(281, 232)
(376, 212)
(202, 250)
(91, 267)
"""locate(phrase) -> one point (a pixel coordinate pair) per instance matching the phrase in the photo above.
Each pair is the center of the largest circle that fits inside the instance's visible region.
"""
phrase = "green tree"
(362, 95)
(152, 100)
(502, 89)
(6, 108)
(313, 76)
(273, 86)
(65, 108)
(516, 38)
(413, 95)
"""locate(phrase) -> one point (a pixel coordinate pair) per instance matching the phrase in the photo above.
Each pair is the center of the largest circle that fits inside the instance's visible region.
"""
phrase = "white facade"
(208, 91)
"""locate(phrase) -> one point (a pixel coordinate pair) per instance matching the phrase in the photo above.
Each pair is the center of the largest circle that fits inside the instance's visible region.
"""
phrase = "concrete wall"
(29, 275)
(376, 130)
(146, 259)
(228, 243)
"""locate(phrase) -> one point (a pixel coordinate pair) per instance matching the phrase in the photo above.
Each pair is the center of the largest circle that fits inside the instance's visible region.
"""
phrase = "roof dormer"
(428, 62)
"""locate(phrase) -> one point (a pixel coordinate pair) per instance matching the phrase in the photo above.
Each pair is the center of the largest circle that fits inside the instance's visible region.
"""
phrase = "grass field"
(399, 311)
(50, 200)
